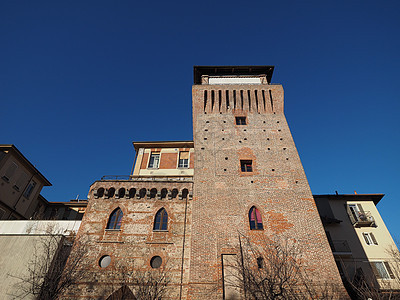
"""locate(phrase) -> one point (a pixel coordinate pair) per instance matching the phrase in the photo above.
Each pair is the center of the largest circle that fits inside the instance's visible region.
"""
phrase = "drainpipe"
(183, 245)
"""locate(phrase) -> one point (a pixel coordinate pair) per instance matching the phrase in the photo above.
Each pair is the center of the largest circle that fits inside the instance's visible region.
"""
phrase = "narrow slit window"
(161, 220)
(205, 100)
(219, 99)
(263, 96)
(246, 165)
(212, 100)
(256, 97)
(249, 97)
(255, 219)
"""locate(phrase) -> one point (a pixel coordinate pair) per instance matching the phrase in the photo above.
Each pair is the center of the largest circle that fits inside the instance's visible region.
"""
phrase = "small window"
(369, 238)
(255, 219)
(29, 189)
(246, 165)
(156, 262)
(154, 160)
(161, 220)
(241, 121)
(183, 159)
(382, 270)
(115, 220)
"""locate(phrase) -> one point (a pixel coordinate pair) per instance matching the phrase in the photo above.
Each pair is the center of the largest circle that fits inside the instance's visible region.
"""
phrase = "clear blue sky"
(80, 80)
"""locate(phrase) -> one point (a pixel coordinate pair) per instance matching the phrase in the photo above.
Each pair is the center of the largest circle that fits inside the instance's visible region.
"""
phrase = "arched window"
(255, 219)
(161, 220)
(114, 222)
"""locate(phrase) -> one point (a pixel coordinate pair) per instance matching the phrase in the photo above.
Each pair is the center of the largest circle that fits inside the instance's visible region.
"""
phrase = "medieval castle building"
(186, 203)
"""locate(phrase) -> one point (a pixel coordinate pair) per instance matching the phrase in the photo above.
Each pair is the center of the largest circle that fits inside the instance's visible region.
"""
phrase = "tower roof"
(198, 71)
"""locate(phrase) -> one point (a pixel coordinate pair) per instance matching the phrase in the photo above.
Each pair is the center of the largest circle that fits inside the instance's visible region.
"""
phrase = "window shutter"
(373, 238)
(360, 208)
(184, 155)
(366, 238)
(389, 270)
(375, 270)
(352, 220)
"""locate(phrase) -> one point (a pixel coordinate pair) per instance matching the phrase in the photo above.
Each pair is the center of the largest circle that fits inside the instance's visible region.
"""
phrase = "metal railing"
(362, 218)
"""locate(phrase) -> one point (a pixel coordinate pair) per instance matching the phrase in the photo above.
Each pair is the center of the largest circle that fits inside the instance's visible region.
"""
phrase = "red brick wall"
(223, 194)
(168, 160)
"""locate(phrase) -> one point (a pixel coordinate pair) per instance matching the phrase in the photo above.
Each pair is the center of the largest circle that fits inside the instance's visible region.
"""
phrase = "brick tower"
(246, 157)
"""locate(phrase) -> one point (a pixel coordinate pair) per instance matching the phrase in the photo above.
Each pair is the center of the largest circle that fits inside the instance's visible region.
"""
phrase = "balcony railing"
(363, 218)
(340, 247)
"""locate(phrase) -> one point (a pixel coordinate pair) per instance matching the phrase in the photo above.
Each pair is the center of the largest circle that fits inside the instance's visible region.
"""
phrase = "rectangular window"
(29, 189)
(369, 238)
(246, 165)
(382, 270)
(154, 161)
(183, 159)
(241, 121)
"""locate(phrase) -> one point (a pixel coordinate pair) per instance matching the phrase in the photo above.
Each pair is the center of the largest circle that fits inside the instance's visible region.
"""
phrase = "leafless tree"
(48, 274)
(273, 268)
(128, 284)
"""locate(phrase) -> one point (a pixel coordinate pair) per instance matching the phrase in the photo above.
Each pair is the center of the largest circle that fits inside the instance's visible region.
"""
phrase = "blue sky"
(80, 80)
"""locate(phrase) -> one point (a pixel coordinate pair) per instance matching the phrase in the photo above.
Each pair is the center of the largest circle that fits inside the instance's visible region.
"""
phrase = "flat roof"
(163, 144)
(25, 160)
(198, 71)
(352, 197)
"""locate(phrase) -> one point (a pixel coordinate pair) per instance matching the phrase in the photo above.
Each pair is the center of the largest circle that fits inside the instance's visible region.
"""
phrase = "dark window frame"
(240, 120)
(161, 220)
(246, 166)
(255, 222)
(115, 219)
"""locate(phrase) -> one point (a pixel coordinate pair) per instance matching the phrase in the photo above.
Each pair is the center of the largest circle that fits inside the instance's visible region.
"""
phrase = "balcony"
(340, 247)
(362, 219)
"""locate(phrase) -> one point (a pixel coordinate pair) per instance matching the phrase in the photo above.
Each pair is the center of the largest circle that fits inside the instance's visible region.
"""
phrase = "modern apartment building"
(20, 186)
(361, 243)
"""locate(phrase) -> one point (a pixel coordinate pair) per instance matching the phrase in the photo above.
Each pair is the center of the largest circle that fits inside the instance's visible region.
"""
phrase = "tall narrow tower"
(245, 159)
